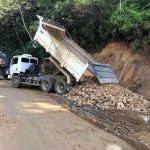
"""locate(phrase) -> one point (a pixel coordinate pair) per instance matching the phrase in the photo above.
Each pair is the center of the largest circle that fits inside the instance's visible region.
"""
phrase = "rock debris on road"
(109, 96)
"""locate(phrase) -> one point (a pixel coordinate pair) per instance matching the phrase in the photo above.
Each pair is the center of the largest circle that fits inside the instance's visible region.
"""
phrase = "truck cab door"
(13, 66)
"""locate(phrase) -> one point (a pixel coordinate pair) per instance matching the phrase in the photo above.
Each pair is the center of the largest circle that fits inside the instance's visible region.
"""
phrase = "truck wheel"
(5, 77)
(47, 85)
(16, 81)
(60, 87)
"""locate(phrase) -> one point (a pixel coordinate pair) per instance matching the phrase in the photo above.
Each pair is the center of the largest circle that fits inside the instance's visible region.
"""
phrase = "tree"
(91, 22)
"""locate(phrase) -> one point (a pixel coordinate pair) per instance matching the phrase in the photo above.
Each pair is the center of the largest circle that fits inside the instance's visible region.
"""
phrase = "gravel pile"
(110, 96)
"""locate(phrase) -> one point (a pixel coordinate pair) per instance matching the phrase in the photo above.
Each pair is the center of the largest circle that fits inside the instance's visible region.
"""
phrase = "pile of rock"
(110, 96)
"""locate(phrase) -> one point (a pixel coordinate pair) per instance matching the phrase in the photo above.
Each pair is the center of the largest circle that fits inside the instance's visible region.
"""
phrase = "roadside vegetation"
(91, 23)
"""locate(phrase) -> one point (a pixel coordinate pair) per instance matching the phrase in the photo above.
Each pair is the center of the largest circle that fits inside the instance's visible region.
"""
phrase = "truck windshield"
(25, 60)
(33, 61)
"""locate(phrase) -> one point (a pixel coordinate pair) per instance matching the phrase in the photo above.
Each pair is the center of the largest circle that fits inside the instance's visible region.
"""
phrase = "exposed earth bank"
(132, 69)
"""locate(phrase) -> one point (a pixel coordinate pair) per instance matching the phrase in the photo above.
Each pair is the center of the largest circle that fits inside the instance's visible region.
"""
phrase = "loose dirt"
(131, 126)
(113, 108)
(31, 120)
(132, 69)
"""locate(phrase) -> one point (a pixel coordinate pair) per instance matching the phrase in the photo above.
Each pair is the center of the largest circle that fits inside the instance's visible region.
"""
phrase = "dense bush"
(92, 23)
(132, 23)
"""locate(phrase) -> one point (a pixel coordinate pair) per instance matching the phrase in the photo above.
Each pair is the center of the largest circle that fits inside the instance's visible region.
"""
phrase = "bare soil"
(129, 120)
(132, 69)
(32, 120)
(129, 125)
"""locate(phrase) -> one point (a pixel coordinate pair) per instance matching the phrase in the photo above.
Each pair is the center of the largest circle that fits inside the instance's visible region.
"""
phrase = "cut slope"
(133, 70)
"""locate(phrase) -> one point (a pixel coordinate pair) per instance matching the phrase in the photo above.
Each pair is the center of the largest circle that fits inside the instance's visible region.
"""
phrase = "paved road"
(31, 120)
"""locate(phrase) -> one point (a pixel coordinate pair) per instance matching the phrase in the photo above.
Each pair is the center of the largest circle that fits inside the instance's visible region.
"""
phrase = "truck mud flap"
(104, 73)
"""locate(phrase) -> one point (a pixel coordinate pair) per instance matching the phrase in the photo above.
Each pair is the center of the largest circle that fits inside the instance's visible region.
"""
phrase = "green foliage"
(91, 23)
(132, 23)
(85, 20)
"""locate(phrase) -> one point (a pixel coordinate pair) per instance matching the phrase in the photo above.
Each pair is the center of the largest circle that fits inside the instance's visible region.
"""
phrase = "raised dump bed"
(54, 38)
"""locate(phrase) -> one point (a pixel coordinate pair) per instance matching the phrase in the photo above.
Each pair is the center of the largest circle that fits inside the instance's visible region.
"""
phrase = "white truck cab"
(20, 63)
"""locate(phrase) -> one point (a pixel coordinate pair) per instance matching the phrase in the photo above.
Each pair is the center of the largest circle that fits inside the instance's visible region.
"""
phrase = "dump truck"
(4, 65)
(69, 58)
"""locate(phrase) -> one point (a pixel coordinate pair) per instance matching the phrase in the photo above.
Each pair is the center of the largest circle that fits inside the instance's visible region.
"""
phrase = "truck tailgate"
(104, 73)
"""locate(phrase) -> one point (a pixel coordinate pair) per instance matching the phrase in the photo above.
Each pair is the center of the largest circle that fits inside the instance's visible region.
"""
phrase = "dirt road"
(31, 120)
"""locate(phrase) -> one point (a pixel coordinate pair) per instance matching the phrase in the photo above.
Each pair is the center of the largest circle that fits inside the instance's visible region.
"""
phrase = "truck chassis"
(60, 84)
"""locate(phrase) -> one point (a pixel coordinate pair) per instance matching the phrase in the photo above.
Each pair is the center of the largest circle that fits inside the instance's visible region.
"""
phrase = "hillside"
(133, 70)
(91, 22)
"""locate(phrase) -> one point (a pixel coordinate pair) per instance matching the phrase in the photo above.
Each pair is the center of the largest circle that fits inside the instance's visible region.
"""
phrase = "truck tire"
(16, 81)
(5, 77)
(60, 87)
(47, 85)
